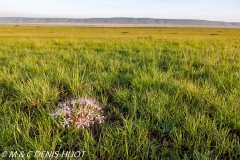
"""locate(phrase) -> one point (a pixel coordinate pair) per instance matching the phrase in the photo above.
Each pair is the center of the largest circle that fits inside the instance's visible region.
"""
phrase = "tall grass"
(169, 93)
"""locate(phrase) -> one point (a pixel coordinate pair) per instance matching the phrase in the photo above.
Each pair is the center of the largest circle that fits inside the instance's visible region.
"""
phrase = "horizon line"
(121, 17)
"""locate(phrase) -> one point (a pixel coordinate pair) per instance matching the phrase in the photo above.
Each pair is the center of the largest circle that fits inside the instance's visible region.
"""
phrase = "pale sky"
(216, 10)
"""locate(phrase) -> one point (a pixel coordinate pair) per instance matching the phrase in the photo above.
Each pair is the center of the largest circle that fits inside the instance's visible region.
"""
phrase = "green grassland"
(169, 93)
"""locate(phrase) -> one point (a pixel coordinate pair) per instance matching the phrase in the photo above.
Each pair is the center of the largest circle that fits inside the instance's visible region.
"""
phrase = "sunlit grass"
(168, 92)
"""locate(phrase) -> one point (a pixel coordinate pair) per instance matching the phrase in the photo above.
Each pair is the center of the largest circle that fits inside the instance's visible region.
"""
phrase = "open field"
(169, 93)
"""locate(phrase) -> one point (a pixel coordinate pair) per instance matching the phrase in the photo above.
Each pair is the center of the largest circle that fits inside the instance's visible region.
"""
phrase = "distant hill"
(147, 21)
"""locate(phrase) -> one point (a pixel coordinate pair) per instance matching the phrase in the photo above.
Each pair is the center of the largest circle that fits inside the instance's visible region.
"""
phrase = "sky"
(215, 10)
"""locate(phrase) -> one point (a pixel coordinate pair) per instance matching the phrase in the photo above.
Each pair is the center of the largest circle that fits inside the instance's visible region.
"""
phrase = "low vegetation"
(165, 95)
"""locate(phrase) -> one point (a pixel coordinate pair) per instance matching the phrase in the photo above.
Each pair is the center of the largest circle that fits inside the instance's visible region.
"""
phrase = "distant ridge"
(121, 20)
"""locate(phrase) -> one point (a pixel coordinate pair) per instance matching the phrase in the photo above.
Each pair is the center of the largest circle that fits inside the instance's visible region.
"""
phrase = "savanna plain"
(167, 93)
